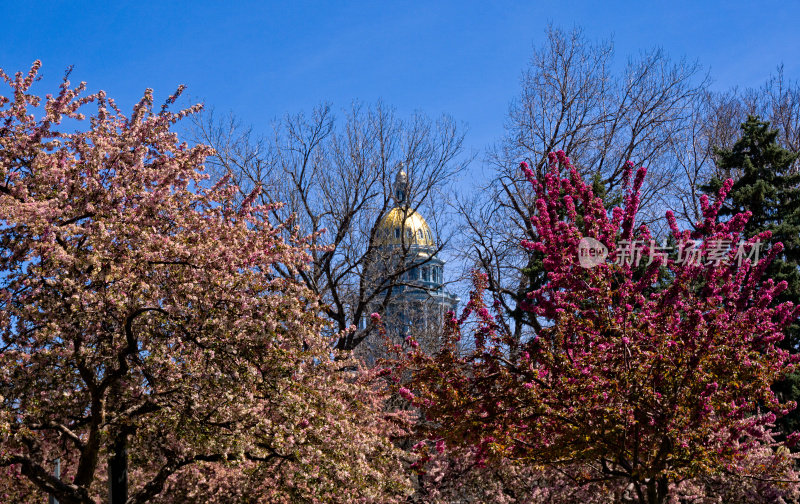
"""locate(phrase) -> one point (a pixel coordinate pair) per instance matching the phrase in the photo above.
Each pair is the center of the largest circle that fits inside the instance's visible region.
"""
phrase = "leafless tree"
(573, 99)
(716, 120)
(335, 178)
(777, 101)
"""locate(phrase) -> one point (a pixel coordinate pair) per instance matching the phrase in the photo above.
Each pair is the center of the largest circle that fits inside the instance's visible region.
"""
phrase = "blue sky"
(264, 59)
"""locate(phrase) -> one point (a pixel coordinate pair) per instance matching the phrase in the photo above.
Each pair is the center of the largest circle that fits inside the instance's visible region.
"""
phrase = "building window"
(397, 232)
(425, 274)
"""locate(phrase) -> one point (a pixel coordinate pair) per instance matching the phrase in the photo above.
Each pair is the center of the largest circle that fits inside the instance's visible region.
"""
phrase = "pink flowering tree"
(144, 337)
(649, 378)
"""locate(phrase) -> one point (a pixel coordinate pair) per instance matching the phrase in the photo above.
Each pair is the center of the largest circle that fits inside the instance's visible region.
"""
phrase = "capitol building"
(406, 247)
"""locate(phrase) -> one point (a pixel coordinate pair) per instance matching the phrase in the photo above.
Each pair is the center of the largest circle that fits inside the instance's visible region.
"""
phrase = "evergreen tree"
(767, 185)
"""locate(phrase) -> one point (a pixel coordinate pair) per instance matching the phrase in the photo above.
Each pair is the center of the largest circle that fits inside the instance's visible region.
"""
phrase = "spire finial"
(401, 186)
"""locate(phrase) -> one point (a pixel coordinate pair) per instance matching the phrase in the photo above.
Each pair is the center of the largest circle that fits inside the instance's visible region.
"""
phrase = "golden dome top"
(404, 226)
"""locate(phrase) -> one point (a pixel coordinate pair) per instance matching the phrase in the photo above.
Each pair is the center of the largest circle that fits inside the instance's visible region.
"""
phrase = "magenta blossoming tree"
(144, 335)
(650, 378)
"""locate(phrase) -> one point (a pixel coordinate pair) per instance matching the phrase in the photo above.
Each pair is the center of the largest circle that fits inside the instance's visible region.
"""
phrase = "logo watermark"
(592, 252)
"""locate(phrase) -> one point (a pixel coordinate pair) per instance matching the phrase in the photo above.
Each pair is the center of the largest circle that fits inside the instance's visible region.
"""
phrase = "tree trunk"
(657, 490)
(118, 469)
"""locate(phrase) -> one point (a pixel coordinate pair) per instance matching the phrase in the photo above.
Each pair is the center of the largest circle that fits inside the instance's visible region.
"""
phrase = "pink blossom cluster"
(139, 305)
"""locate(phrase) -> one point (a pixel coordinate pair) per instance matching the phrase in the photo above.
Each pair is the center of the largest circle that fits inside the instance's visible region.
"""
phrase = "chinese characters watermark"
(592, 252)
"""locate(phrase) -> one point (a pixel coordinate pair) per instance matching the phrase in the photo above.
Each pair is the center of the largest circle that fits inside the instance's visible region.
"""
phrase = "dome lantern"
(401, 186)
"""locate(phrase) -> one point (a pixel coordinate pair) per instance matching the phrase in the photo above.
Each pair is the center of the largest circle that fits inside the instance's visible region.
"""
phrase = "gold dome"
(404, 226)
